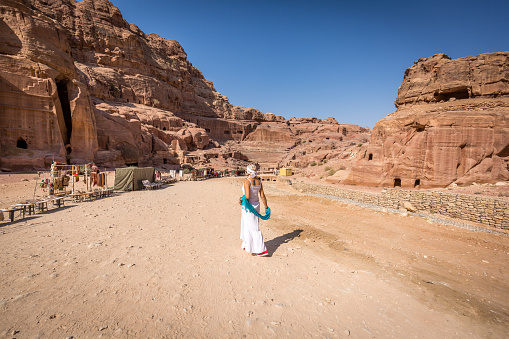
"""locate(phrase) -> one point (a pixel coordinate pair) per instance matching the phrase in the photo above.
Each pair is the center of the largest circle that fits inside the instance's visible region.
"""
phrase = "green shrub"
(313, 163)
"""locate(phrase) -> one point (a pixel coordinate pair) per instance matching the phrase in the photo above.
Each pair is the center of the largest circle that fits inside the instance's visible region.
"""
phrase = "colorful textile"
(247, 205)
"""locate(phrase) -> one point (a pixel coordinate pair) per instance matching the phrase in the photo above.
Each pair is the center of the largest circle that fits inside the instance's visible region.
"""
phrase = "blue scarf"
(248, 207)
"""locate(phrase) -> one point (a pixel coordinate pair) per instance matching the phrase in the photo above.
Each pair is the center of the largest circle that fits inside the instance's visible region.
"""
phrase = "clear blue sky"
(344, 59)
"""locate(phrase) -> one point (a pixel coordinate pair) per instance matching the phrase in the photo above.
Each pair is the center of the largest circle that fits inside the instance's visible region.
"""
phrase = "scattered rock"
(95, 244)
(409, 207)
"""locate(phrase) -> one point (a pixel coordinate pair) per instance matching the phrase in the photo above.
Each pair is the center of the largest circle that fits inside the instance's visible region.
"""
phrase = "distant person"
(250, 234)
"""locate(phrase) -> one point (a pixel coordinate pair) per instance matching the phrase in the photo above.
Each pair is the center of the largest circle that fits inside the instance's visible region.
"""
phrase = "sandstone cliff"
(451, 126)
(79, 84)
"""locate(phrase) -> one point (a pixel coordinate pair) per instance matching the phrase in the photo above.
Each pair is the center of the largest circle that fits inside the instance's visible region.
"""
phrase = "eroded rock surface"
(451, 126)
(79, 84)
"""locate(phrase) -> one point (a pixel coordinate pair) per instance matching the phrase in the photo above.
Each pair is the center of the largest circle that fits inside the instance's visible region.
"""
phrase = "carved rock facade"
(451, 126)
(80, 84)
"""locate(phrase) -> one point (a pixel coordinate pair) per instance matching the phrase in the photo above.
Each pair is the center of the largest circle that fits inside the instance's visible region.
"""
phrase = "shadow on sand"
(273, 245)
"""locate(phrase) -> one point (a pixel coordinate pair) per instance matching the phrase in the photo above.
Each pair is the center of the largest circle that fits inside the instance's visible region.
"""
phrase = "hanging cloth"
(247, 205)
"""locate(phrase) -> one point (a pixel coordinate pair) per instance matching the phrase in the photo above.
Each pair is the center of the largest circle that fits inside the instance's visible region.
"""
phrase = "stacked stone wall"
(489, 211)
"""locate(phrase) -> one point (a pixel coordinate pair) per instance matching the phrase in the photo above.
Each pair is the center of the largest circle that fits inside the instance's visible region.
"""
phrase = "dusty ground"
(168, 263)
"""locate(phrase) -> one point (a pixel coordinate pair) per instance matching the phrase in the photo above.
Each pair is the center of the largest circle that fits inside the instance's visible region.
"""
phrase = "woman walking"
(250, 234)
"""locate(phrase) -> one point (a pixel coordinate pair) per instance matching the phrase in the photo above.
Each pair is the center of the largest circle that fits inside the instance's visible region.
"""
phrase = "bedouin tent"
(130, 178)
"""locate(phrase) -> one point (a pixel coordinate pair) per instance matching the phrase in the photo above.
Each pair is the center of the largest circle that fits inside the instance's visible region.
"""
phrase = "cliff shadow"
(7, 86)
(273, 245)
(9, 41)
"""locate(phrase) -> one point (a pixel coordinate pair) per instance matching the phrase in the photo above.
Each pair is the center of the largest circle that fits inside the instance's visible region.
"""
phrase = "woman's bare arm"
(246, 189)
(262, 196)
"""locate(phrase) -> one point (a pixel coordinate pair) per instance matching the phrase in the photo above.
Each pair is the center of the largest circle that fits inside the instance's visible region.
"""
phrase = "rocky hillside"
(451, 126)
(79, 84)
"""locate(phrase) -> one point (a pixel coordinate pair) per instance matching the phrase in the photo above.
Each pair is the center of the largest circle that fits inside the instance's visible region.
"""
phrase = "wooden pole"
(73, 169)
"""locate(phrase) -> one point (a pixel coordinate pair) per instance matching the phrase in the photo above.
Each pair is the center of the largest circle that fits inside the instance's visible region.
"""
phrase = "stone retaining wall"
(484, 210)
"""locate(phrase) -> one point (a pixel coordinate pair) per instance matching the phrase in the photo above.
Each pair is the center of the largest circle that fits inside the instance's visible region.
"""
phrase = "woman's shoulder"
(255, 181)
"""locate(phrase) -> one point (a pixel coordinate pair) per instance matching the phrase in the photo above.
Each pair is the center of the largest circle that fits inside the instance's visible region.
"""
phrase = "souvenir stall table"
(79, 182)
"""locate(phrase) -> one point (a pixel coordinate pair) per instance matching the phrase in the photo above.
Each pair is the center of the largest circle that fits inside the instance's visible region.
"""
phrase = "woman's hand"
(240, 201)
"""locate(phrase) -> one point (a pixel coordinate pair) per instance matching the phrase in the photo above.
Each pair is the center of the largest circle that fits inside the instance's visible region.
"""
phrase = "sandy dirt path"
(168, 264)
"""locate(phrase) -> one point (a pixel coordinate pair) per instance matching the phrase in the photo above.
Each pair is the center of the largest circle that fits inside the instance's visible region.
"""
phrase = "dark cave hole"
(63, 95)
(458, 94)
(21, 143)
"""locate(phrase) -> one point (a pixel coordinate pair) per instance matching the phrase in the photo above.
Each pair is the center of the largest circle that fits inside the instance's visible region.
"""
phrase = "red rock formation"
(451, 126)
(41, 98)
(439, 78)
(78, 84)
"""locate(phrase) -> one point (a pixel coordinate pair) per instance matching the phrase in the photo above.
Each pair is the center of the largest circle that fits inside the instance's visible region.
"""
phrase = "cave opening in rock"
(457, 94)
(397, 182)
(417, 183)
(504, 152)
(370, 157)
(21, 143)
(64, 116)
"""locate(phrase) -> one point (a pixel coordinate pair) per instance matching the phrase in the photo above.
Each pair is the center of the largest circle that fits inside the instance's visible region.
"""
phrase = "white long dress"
(250, 234)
